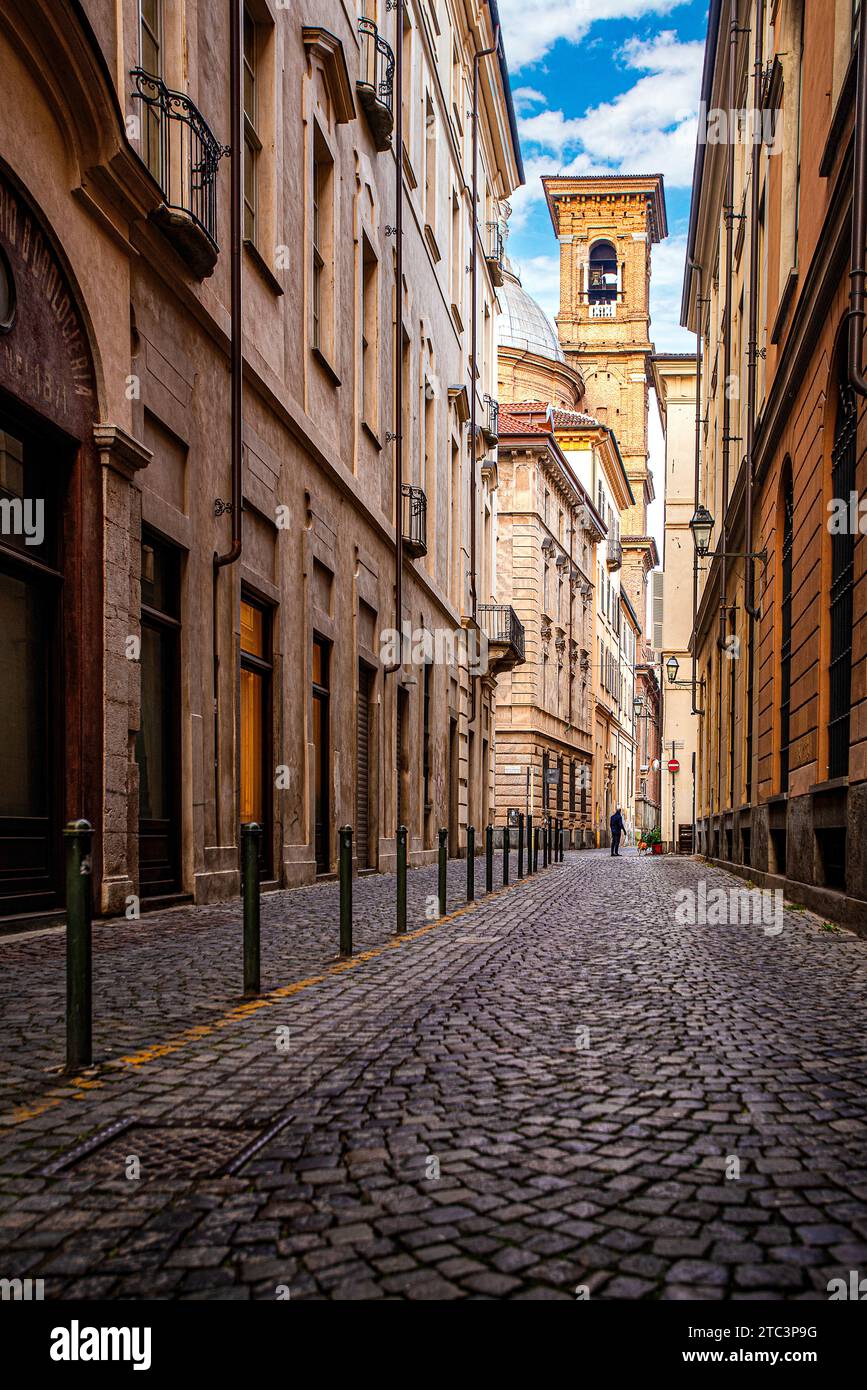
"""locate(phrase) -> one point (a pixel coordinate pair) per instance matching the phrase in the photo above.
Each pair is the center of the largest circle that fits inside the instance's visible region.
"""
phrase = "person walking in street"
(617, 829)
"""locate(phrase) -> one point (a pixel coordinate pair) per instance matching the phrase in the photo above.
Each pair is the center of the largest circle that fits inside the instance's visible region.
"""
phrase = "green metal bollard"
(489, 859)
(529, 845)
(79, 974)
(401, 880)
(345, 837)
(443, 863)
(471, 863)
(520, 844)
(251, 834)
(506, 848)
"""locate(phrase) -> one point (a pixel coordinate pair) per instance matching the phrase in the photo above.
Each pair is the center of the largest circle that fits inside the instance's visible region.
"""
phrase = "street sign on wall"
(673, 765)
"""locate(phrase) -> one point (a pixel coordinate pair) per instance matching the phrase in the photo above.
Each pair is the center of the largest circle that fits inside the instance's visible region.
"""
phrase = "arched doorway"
(50, 563)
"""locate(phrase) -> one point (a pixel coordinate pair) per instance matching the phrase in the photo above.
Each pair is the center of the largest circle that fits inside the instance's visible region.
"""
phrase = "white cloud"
(540, 277)
(651, 127)
(668, 259)
(532, 27)
(524, 97)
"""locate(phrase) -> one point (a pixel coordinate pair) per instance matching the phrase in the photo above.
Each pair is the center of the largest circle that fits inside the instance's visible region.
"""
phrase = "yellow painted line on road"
(78, 1087)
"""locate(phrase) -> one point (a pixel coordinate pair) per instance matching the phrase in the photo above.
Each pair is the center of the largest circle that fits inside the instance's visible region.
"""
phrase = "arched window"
(843, 456)
(788, 514)
(603, 273)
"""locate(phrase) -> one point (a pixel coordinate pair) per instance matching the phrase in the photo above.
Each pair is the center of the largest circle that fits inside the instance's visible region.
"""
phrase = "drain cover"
(184, 1148)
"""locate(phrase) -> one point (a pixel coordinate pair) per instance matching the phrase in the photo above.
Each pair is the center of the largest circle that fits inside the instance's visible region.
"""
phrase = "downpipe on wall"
(237, 418)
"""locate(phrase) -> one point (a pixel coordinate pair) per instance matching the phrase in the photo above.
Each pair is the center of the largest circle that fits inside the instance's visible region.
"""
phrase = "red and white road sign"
(673, 765)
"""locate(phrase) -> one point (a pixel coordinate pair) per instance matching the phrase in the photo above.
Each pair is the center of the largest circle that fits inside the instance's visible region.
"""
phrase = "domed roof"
(523, 323)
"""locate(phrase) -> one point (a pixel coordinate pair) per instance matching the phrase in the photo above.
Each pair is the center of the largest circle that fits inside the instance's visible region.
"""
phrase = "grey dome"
(523, 323)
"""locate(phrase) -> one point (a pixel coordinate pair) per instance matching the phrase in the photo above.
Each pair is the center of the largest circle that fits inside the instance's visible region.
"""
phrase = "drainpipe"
(752, 368)
(234, 551)
(727, 357)
(477, 58)
(857, 271)
(752, 344)
(697, 271)
(398, 342)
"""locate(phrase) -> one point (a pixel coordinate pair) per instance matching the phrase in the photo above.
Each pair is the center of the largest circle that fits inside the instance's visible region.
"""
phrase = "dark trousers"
(615, 842)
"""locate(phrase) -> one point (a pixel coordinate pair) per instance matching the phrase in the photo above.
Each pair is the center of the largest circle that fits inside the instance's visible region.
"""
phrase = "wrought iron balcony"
(494, 251)
(414, 520)
(376, 82)
(614, 553)
(505, 633)
(183, 154)
(491, 423)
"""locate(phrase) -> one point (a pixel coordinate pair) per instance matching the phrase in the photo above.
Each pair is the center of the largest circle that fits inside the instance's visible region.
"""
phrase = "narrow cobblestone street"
(432, 1120)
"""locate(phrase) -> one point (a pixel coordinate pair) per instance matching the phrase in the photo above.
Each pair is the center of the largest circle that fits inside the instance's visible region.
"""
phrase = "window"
(252, 143)
(602, 276)
(426, 748)
(457, 260)
(151, 60)
(151, 36)
(430, 165)
(256, 669)
(455, 522)
(323, 243)
(788, 501)
(321, 753)
(158, 739)
(843, 459)
(369, 335)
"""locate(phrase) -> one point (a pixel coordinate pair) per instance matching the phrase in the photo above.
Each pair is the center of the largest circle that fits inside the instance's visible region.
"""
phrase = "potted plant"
(654, 840)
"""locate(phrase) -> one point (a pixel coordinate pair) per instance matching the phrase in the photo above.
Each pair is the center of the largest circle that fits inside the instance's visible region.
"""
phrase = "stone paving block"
(559, 1168)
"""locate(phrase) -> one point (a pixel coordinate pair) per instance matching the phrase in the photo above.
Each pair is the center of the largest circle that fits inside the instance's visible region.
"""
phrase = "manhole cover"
(185, 1149)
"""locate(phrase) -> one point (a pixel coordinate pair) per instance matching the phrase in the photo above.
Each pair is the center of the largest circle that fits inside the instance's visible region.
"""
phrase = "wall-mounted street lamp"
(638, 704)
(702, 525)
(672, 666)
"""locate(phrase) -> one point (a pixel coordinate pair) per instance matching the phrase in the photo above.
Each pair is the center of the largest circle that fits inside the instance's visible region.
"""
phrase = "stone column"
(122, 457)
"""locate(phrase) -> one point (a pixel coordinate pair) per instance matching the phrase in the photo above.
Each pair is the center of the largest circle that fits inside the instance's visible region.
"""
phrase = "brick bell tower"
(606, 225)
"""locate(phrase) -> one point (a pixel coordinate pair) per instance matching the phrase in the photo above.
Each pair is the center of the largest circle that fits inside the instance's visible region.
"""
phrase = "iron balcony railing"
(491, 425)
(414, 520)
(180, 149)
(376, 81)
(614, 553)
(502, 626)
(493, 241)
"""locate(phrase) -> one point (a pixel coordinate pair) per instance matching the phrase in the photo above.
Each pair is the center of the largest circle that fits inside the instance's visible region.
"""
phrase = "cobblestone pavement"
(551, 1090)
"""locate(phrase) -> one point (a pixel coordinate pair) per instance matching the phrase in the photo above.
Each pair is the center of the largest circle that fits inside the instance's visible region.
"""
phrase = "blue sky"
(605, 86)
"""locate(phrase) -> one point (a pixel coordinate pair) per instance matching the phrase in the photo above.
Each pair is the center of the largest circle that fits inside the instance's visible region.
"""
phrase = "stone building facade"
(546, 547)
(606, 227)
(782, 756)
(674, 379)
(531, 357)
(162, 697)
